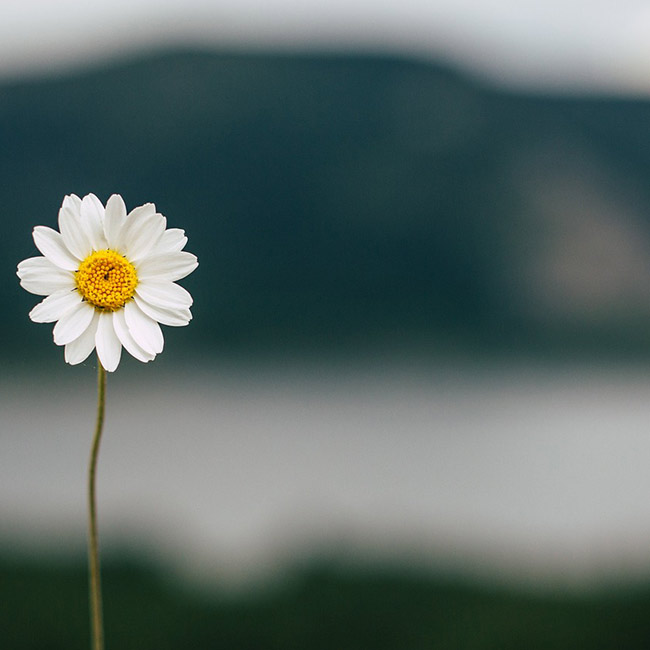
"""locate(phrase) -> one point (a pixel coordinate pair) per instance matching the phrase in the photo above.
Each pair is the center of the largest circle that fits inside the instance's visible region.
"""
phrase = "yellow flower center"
(106, 280)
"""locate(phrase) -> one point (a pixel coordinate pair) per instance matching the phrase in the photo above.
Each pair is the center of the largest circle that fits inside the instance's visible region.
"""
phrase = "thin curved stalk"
(97, 628)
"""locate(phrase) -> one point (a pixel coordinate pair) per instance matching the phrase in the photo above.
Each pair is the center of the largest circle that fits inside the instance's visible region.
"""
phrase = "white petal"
(141, 211)
(74, 235)
(132, 219)
(51, 244)
(109, 348)
(171, 241)
(171, 317)
(168, 266)
(163, 293)
(73, 323)
(122, 331)
(55, 306)
(73, 203)
(40, 287)
(39, 276)
(33, 266)
(78, 350)
(114, 219)
(92, 220)
(144, 330)
(142, 236)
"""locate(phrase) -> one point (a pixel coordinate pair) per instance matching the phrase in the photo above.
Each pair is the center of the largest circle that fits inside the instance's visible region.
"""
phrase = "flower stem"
(93, 550)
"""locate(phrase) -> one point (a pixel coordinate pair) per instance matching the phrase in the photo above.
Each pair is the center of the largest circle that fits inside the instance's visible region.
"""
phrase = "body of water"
(519, 473)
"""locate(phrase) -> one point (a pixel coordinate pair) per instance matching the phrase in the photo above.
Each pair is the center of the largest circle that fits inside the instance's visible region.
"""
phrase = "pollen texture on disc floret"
(106, 280)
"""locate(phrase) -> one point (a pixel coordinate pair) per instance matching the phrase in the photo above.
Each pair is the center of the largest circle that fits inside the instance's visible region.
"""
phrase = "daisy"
(109, 278)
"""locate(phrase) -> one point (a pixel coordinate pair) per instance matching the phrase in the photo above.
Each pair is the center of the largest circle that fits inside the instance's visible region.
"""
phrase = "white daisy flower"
(109, 278)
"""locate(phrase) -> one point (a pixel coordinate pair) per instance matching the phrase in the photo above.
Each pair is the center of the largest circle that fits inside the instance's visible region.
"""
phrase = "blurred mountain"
(340, 201)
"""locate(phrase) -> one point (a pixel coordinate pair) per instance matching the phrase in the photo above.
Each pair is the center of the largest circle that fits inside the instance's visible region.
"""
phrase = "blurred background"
(412, 408)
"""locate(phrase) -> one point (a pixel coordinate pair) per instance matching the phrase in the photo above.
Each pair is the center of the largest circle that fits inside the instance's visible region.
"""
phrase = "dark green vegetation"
(344, 200)
(44, 608)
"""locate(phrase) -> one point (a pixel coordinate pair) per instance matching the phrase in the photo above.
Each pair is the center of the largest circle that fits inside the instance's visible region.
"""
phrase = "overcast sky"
(583, 44)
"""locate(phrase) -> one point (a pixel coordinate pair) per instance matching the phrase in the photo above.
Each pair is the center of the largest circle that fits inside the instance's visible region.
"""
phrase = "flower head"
(109, 278)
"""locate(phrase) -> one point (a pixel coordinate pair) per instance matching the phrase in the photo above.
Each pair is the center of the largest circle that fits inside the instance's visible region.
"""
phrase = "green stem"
(93, 551)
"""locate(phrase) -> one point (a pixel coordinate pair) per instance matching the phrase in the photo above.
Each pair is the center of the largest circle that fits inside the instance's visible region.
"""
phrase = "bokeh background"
(412, 408)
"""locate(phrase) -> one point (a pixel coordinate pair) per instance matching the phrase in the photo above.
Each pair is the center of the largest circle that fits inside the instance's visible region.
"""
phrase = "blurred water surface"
(536, 474)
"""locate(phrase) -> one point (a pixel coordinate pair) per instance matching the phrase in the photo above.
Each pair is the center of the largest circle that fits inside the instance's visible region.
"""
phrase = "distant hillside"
(349, 200)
